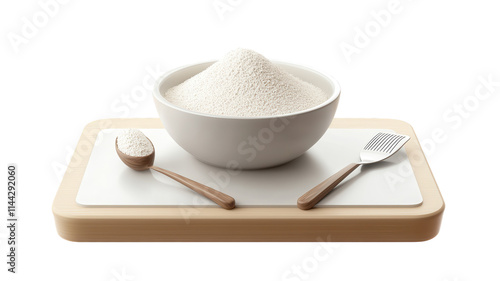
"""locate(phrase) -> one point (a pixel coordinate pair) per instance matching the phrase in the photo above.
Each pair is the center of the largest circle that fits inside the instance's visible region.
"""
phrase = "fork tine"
(395, 144)
(389, 140)
(372, 140)
(379, 142)
(384, 142)
(395, 140)
(389, 143)
(375, 140)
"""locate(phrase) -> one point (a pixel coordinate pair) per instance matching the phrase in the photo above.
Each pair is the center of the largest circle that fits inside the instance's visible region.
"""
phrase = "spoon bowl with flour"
(138, 153)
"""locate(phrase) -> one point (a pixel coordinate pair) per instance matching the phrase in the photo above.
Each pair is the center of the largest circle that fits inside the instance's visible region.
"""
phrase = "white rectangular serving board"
(108, 182)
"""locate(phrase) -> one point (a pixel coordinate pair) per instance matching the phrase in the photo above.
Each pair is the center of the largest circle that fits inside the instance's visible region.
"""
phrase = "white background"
(90, 55)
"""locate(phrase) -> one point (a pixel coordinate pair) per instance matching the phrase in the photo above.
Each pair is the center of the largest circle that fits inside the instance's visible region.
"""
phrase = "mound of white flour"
(245, 84)
(134, 143)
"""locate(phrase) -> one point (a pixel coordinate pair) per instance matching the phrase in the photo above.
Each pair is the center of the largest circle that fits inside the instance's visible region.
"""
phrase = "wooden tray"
(80, 223)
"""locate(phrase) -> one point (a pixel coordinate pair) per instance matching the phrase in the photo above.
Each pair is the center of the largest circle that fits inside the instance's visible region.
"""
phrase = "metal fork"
(379, 148)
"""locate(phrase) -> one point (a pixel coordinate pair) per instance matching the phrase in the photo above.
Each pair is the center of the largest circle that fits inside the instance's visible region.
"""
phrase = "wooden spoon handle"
(313, 196)
(225, 201)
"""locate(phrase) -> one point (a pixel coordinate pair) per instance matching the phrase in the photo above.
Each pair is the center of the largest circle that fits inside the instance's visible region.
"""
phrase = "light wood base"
(79, 223)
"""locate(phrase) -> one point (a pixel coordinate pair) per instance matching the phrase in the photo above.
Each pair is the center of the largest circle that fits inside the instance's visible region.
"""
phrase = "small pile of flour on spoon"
(134, 143)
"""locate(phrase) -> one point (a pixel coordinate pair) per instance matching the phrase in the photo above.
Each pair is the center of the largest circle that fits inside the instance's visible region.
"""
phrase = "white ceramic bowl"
(246, 142)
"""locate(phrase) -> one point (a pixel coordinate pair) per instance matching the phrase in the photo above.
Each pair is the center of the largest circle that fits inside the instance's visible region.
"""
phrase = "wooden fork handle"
(313, 196)
(225, 201)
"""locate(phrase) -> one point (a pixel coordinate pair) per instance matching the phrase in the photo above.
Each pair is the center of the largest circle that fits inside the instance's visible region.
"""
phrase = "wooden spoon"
(141, 163)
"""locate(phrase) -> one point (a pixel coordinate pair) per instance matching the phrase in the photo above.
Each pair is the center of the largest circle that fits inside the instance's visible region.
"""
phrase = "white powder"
(134, 143)
(245, 84)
